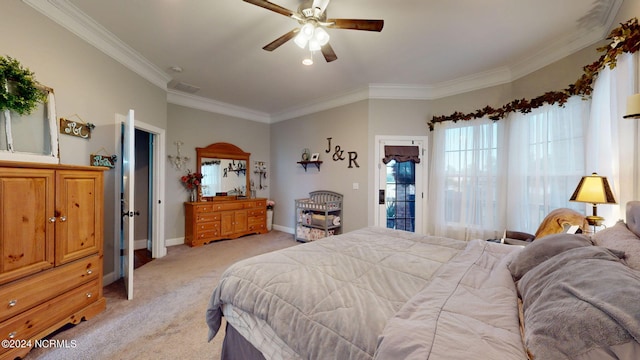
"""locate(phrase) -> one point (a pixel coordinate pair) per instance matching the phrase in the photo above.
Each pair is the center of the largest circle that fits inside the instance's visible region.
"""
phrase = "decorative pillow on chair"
(542, 249)
(619, 237)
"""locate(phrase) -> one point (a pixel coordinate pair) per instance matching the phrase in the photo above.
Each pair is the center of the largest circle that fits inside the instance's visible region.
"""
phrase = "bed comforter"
(350, 296)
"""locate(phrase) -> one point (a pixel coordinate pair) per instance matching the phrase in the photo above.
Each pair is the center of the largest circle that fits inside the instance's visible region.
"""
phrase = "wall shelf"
(305, 163)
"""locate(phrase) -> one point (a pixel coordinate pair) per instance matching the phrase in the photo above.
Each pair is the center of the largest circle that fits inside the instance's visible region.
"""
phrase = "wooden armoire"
(51, 236)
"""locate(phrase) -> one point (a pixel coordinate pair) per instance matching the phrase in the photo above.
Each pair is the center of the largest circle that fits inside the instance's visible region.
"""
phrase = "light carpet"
(166, 318)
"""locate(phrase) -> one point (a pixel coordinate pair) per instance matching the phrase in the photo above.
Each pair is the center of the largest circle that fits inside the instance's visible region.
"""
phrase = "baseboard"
(174, 241)
(283, 229)
(139, 244)
(109, 278)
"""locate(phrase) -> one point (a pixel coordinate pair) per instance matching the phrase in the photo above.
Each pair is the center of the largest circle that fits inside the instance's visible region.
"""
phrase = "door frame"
(158, 248)
(421, 227)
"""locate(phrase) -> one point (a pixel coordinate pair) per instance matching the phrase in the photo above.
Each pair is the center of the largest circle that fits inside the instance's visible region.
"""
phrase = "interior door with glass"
(127, 202)
(401, 170)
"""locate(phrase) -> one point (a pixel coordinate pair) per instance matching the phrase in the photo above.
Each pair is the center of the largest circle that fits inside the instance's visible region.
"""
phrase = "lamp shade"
(633, 107)
(594, 189)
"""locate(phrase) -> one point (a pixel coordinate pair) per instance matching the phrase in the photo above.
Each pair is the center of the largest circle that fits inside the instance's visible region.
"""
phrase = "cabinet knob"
(13, 303)
(63, 218)
(89, 271)
(89, 295)
(52, 219)
(12, 335)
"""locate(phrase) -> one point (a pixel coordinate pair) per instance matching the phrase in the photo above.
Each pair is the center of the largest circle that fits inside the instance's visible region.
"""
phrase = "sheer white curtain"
(546, 161)
(610, 146)
(211, 176)
(467, 176)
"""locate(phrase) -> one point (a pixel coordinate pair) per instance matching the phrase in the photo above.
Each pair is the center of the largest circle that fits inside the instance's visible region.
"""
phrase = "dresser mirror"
(225, 171)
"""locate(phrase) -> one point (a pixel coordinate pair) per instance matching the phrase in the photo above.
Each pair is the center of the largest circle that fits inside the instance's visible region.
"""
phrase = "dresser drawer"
(257, 212)
(231, 206)
(200, 209)
(208, 234)
(205, 226)
(24, 294)
(28, 324)
(207, 217)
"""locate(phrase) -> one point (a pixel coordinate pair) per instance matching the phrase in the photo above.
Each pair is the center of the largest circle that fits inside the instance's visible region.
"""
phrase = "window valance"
(401, 154)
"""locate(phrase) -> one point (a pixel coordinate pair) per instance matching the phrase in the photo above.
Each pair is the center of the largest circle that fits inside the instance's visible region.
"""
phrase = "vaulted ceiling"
(427, 49)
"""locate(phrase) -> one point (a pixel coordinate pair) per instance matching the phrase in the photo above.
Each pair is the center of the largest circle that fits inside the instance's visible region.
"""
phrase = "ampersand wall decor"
(338, 154)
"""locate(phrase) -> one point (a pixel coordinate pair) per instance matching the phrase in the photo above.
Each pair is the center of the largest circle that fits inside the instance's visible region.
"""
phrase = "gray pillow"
(542, 249)
(582, 304)
(619, 237)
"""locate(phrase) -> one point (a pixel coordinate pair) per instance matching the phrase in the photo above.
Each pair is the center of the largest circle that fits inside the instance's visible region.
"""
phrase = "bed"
(377, 293)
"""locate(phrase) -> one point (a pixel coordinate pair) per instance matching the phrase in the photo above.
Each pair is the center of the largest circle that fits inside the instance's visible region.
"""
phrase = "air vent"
(181, 86)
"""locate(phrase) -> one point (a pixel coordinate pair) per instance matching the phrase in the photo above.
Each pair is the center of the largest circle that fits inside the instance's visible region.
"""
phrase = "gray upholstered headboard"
(633, 217)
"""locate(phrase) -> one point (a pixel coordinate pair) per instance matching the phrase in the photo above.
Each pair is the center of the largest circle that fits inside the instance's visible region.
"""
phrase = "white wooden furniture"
(51, 249)
(318, 216)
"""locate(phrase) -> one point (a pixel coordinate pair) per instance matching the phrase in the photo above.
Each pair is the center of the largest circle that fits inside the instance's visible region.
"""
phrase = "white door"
(128, 206)
(400, 186)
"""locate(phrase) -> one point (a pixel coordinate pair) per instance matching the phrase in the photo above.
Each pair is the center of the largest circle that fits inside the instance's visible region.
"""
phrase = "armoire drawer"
(26, 293)
(28, 324)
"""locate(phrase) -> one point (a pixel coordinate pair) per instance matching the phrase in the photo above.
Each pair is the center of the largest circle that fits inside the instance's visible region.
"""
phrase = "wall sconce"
(633, 107)
(178, 160)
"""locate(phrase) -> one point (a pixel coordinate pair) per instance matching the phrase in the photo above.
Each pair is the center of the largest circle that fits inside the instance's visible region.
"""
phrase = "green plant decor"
(18, 88)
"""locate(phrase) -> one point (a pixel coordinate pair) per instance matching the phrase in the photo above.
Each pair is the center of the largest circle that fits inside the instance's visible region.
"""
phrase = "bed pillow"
(619, 237)
(543, 249)
(582, 304)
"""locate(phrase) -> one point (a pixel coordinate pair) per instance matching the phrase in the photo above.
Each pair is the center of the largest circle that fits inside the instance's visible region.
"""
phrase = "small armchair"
(557, 221)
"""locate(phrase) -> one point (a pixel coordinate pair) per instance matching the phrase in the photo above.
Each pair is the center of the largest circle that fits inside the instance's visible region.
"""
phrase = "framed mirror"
(225, 170)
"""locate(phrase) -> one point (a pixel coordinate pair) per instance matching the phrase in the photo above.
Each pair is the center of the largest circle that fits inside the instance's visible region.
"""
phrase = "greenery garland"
(623, 39)
(19, 91)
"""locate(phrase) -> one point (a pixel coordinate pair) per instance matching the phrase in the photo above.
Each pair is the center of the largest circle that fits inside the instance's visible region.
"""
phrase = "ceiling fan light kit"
(312, 34)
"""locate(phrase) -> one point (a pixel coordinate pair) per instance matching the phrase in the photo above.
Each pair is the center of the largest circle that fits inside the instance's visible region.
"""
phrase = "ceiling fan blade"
(328, 53)
(321, 5)
(271, 6)
(281, 40)
(356, 24)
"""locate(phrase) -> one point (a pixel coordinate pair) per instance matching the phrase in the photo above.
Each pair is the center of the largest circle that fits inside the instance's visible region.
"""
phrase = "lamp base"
(595, 220)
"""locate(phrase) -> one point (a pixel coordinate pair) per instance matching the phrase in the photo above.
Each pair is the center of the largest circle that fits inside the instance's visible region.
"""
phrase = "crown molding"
(70, 17)
(67, 15)
(206, 104)
(326, 103)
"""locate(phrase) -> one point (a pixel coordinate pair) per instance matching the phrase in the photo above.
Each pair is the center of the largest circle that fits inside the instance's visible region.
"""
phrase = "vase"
(193, 195)
(269, 219)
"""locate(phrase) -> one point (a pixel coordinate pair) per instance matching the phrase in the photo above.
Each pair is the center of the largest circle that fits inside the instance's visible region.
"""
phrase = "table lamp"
(594, 189)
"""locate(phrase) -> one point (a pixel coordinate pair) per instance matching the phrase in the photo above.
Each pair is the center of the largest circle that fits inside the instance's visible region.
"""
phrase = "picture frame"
(315, 156)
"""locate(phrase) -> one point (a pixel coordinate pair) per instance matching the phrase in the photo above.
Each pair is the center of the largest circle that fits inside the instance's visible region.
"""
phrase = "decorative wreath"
(18, 88)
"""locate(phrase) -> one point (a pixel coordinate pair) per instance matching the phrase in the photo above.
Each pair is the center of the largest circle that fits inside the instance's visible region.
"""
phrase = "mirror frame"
(223, 150)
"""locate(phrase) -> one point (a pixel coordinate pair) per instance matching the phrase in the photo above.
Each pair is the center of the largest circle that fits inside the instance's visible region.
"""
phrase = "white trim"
(201, 103)
(70, 17)
(174, 241)
(159, 243)
(421, 213)
(73, 19)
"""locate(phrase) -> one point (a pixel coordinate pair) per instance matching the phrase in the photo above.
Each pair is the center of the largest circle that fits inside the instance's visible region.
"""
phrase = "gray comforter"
(331, 299)
(468, 311)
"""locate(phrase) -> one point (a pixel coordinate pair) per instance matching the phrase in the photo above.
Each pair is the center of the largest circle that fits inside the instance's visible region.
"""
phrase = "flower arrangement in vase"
(270, 204)
(191, 181)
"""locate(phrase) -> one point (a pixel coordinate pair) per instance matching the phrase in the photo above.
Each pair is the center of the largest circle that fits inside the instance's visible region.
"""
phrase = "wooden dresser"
(223, 219)
(51, 235)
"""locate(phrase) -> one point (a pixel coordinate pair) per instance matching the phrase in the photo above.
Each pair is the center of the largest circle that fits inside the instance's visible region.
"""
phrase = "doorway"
(147, 149)
(400, 189)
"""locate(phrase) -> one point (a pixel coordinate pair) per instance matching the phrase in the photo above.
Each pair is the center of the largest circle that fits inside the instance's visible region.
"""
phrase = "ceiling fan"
(313, 18)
